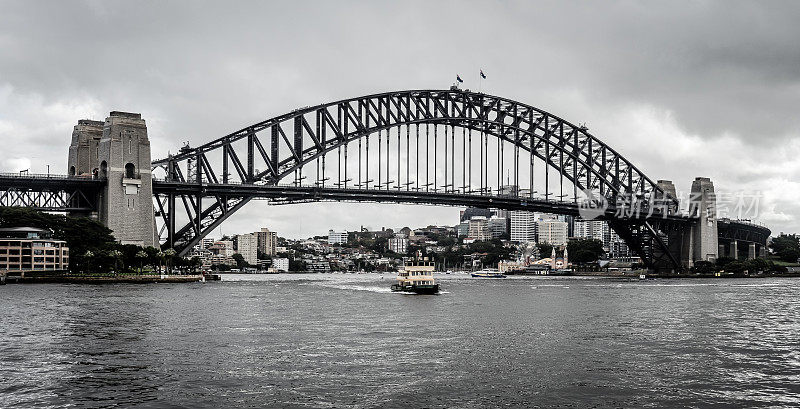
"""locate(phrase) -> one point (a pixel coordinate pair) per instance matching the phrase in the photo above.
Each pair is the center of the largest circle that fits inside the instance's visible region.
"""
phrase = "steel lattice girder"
(575, 154)
(50, 193)
(589, 163)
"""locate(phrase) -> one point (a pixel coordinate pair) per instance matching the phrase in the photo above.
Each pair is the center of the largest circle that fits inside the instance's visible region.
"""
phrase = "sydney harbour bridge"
(433, 147)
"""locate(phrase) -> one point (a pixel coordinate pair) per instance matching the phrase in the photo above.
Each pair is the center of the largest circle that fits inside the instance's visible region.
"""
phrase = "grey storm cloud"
(721, 77)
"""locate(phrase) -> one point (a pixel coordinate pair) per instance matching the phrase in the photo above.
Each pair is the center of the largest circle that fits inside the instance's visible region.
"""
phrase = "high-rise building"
(398, 244)
(267, 241)
(552, 231)
(593, 229)
(479, 228)
(462, 230)
(598, 229)
(335, 237)
(523, 226)
(247, 246)
(497, 227)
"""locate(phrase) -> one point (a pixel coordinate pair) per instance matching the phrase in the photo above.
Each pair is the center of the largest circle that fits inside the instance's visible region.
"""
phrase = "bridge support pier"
(118, 151)
(751, 251)
(734, 250)
(702, 243)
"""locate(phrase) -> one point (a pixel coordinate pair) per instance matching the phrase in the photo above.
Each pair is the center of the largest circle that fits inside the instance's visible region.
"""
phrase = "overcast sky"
(682, 89)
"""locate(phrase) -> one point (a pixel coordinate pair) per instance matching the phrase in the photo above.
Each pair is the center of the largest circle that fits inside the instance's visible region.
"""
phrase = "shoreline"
(127, 278)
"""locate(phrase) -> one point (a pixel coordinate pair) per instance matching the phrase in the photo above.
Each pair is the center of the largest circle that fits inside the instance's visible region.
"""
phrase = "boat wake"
(371, 289)
(354, 287)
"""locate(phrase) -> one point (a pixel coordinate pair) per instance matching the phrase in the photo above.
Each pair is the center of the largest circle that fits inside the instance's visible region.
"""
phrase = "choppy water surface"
(346, 340)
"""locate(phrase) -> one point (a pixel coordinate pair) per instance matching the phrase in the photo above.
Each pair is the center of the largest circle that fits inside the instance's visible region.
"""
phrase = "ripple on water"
(339, 340)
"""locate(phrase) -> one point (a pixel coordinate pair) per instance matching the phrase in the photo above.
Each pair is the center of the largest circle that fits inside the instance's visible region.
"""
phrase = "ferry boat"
(417, 277)
(488, 273)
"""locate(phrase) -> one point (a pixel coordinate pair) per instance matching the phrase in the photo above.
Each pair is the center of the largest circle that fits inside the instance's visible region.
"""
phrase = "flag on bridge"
(458, 78)
(483, 75)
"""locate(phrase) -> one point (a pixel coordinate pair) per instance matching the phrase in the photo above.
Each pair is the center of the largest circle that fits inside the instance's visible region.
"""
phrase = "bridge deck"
(283, 194)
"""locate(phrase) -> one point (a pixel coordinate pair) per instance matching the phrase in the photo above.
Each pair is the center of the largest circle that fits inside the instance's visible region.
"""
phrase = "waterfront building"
(398, 244)
(335, 237)
(317, 266)
(552, 231)
(225, 247)
(31, 249)
(201, 253)
(523, 226)
(221, 253)
(247, 246)
(280, 264)
(267, 241)
(479, 228)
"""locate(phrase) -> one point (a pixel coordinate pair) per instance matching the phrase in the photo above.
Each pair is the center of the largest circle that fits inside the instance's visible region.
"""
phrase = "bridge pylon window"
(130, 171)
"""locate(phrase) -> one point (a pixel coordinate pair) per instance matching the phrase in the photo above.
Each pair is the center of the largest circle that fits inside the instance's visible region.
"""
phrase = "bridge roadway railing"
(291, 193)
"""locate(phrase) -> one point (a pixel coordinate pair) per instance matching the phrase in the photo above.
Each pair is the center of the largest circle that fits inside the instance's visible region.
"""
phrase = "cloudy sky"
(683, 89)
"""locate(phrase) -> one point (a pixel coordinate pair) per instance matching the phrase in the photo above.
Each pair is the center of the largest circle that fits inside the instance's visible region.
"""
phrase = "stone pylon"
(123, 157)
(704, 236)
(83, 151)
(669, 193)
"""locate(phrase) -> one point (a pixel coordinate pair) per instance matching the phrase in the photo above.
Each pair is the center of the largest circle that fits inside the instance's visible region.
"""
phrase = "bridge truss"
(451, 147)
(50, 192)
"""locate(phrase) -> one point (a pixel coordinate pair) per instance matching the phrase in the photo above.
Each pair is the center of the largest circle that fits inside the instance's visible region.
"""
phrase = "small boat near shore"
(488, 273)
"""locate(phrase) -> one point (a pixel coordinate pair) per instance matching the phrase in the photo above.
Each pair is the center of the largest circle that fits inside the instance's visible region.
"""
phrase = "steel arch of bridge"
(211, 181)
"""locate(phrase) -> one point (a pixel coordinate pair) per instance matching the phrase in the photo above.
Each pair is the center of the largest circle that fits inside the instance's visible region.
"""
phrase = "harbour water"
(325, 340)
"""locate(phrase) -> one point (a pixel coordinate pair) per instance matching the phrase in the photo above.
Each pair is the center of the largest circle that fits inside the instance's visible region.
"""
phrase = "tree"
(195, 263)
(585, 250)
(240, 261)
(116, 256)
(786, 247)
(87, 259)
(141, 255)
(545, 249)
(297, 265)
(169, 255)
(703, 267)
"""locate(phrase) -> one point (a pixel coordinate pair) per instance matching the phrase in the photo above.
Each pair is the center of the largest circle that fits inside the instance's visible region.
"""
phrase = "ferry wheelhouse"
(417, 276)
